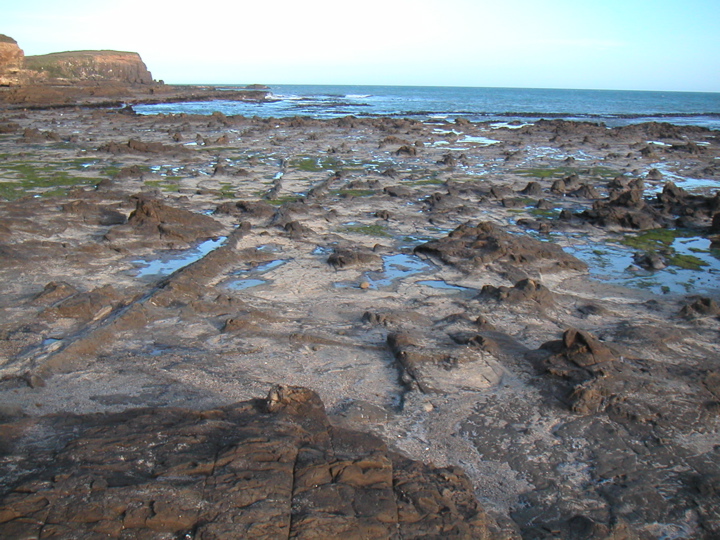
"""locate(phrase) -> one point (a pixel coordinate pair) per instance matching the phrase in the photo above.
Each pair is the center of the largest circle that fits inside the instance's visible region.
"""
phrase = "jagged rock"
(133, 171)
(406, 150)
(626, 209)
(94, 214)
(344, 257)
(444, 202)
(500, 192)
(265, 469)
(586, 192)
(649, 260)
(54, 292)
(155, 219)
(395, 319)
(700, 307)
(533, 189)
(257, 209)
(34, 135)
(295, 229)
(526, 290)
(398, 191)
(84, 306)
(470, 246)
(392, 140)
(586, 365)
(448, 160)
(715, 226)
(140, 147)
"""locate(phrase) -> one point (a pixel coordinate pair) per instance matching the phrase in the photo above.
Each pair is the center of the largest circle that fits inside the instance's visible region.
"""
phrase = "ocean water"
(612, 107)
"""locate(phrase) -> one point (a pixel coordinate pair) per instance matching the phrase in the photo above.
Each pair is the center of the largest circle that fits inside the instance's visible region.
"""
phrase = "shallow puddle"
(684, 182)
(248, 279)
(170, 262)
(442, 285)
(241, 284)
(692, 267)
(396, 268)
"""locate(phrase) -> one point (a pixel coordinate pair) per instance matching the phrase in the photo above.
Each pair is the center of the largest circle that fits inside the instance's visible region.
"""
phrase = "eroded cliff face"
(89, 66)
(11, 61)
(74, 67)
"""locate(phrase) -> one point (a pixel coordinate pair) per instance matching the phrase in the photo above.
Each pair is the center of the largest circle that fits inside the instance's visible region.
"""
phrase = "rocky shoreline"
(161, 273)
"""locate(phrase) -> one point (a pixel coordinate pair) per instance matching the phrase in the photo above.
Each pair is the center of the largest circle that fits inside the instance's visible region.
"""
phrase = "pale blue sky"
(610, 44)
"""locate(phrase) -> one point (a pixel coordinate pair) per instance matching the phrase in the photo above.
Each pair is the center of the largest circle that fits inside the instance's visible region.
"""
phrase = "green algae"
(163, 185)
(687, 262)
(369, 230)
(47, 179)
(315, 164)
(353, 193)
(656, 239)
(560, 172)
(285, 199)
(541, 212)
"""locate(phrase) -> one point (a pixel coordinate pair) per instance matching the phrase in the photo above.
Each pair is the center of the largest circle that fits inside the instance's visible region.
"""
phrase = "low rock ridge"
(272, 468)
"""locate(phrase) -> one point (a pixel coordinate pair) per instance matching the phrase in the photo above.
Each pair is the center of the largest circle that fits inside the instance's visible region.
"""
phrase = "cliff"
(70, 68)
(90, 66)
(11, 61)
(92, 78)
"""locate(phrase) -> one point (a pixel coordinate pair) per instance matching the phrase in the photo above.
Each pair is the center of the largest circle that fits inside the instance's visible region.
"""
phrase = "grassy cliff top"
(76, 54)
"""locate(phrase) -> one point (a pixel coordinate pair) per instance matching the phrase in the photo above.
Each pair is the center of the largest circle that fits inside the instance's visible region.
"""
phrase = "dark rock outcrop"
(470, 246)
(154, 220)
(343, 257)
(524, 291)
(586, 365)
(272, 468)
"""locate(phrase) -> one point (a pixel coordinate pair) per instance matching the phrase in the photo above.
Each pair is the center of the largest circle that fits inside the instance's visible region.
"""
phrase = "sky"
(667, 45)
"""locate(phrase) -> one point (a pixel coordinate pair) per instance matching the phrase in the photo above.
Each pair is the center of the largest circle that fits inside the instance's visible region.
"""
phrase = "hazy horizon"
(640, 45)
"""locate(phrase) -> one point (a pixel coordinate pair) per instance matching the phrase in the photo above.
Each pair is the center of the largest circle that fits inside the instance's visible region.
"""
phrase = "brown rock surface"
(265, 469)
(11, 61)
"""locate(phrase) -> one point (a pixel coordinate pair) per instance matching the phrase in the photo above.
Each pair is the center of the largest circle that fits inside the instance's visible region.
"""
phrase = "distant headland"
(92, 78)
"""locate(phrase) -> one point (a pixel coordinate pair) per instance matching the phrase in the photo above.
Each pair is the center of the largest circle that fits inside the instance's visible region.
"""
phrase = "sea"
(611, 107)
